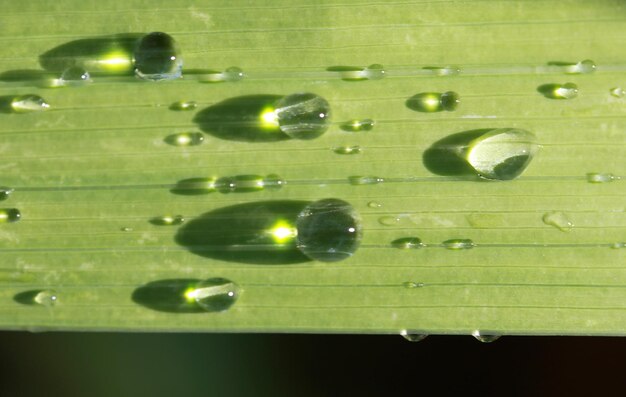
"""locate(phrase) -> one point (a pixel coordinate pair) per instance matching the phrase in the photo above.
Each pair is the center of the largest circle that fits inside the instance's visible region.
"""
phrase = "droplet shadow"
(242, 233)
(168, 296)
(442, 157)
(241, 119)
(5, 104)
(348, 73)
(27, 297)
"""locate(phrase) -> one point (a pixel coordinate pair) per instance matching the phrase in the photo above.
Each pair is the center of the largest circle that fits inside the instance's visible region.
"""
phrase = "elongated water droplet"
(617, 92)
(485, 338)
(5, 192)
(28, 103)
(412, 284)
(273, 181)
(347, 150)
(407, 243)
(559, 91)
(194, 186)
(501, 154)
(374, 204)
(458, 244)
(430, 102)
(156, 57)
(302, 116)
(233, 73)
(240, 183)
(443, 70)
(75, 76)
(184, 105)
(594, 177)
(618, 245)
(358, 125)
(168, 220)
(365, 180)
(47, 298)
(558, 219)
(413, 336)
(214, 294)
(328, 230)
(9, 215)
(374, 72)
(185, 139)
(583, 67)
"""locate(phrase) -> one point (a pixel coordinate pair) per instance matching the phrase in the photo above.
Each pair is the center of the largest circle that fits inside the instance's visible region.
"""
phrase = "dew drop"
(183, 105)
(374, 204)
(358, 125)
(443, 70)
(389, 220)
(618, 245)
(240, 183)
(374, 72)
(583, 67)
(5, 192)
(559, 91)
(558, 219)
(47, 298)
(9, 215)
(617, 92)
(75, 76)
(457, 244)
(194, 186)
(126, 229)
(430, 102)
(233, 73)
(412, 284)
(214, 294)
(485, 338)
(28, 103)
(273, 181)
(501, 153)
(156, 57)
(413, 336)
(347, 150)
(594, 177)
(303, 115)
(365, 180)
(185, 139)
(407, 243)
(328, 230)
(168, 220)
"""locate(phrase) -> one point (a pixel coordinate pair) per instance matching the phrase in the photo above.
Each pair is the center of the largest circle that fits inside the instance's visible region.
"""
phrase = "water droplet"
(184, 105)
(559, 220)
(75, 76)
(240, 183)
(430, 102)
(594, 177)
(303, 116)
(5, 192)
(156, 57)
(273, 181)
(365, 180)
(618, 245)
(193, 186)
(559, 91)
(28, 103)
(389, 220)
(413, 336)
(412, 284)
(617, 92)
(47, 298)
(168, 220)
(126, 229)
(9, 215)
(583, 67)
(358, 125)
(501, 153)
(233, 73)
(374, 72)
(328, 230)
(443, 70)
(374, 204)
(185, 139)
(214, 294)
(407, 243)
(485, 338)
(458, 244)
(347, 150)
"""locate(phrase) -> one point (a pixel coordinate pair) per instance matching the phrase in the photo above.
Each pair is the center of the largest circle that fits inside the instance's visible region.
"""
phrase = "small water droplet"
(457, 244)
(618, 245)
(156, 57)
(75, 76)
(407, 243)
(501, 153)
(233, 73)
(9, 215)
(374, 204)
(273, 181)
(412, 284)
(214, 294)
(558, 219)
(347, 150)
(365, 180)
(5, 192)
(413, 336)
(328, 230)
(240, 183)
(374, 72)
(185, 139)
(443, 70)
(430, 102)
(47, 298)
(168, 220)
(617, 92)
(303, 115)
(485, 338)
(184, 105)
(126, 229)
(194, 186)
(594, 177)
(559, 91)
(358, 125)
(28, 103)
(389, 220)
(583, 67)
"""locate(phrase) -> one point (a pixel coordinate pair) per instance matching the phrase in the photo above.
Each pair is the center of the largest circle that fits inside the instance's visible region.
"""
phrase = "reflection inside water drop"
(559, 91)
(214, 294)
(458, 244)
(485, 337)
(407, 243)
(28, 103)
(413, 336)
(156, 57)
(9, 215)
(185, 139)
(302, 115)
(347, 150)
(75, 76)
(5, 192)
(358, 125)
(429, 102)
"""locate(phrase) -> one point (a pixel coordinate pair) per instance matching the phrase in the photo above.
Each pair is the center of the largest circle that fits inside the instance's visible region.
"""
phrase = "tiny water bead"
(214, 294)
(374, 204)
(458, 244)
(302, 115)
(75, 76)
(407, 243)
(617, 92)
(168, 220)
(559, 220)
(559, 91)
(358, 125)
(413, 336)
(443, 70)
(248, 183)
(9, 215)
(156, 57)
(594, 177)
(28, 103)
(429, 102)
(5, 192)
(501, 153)
(183, 105)
(328, 230)
(185, 139)
(365, 180)
(484, 337)
(347, 150)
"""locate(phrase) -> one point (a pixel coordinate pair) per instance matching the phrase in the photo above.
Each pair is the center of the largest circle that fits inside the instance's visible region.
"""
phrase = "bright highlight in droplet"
(283, 232)
(269, 119)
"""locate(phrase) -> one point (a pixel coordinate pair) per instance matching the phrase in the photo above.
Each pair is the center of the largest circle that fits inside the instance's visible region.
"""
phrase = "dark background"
(118, 364)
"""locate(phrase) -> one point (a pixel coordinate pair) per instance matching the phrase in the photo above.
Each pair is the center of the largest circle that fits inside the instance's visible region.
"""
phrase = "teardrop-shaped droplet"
(156, 57)
(443, 70)
(358, 125)
(617, 92)
(501, 153)
(47, 298)
(485, 338)
(407, 243)
(5, 192)
(595, 177)
(413, 336)
(214, 294)
(365, 180)
(347, 150)
(457, 244)
(559, 91)
(302, 116)
(194, 186)
(168, 220)
(329, 230)
(183, 105)
(75, 76)
(28, 103)
(9, 215)
(429, 102)
(558, 219)
(583, 67)
(185, 139)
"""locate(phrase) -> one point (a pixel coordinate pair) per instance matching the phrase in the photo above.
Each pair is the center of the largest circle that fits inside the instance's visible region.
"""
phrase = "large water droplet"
(365, 180)
(457, 244)
(168, 220)
(559, 91)
(5, 192)
(75, 76)
(358, 125)
(328, 230)
(347, 149)
(430, 102)
(413, 336)
(28, 103)
(156, 57)
(595, 177)
(558, 219)
(302, 116)
(214, 294)
(407, 243)
(185, 139)
(9, 215)
(502, 153)
(485, 338)
(183, 105)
